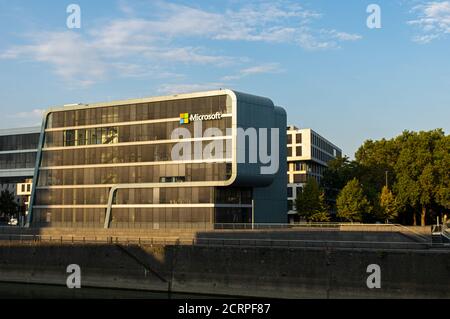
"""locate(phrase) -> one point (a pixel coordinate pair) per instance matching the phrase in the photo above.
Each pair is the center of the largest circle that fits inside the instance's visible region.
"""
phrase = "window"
(94, 136)
(290, 205)
(289, 153)
(110, 135)
(289, 139)
(298, 151)
(300, 166)
(69, 138)
(290, 192)
(300, 178)
(172, 179)
(298, 138)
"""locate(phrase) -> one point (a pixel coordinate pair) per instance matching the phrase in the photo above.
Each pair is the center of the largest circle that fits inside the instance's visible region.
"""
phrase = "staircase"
(440, 235)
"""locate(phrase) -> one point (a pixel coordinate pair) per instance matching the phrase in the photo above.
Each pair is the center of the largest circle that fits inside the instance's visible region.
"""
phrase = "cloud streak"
(433, 21)
(269, 68)
(33, 115)
(172, 88)
(136, 46)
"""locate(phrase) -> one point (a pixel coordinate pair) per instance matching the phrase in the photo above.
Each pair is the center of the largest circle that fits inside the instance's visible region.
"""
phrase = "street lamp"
(386, 172)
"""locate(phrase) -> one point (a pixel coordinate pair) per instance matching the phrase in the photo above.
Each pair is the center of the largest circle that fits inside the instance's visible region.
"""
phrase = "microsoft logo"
(184, 118)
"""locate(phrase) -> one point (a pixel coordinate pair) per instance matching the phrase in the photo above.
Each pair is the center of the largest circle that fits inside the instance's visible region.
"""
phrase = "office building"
(18, 149)
(112, 164)
(308, 155)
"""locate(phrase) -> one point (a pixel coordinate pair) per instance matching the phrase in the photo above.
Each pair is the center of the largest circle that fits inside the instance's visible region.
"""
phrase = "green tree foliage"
(388, 205)
(417, 166)
(374, 161)
(352, 204)
(311, 203)
(442, 171)
(419, 180)
(338, 173)
(8, 205)
(336, 176)
(321, 214)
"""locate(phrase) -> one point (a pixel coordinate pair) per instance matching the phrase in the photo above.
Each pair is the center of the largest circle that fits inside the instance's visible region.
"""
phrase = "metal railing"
(442, 232)
(412, 233)
(214, 242)
(161, 228)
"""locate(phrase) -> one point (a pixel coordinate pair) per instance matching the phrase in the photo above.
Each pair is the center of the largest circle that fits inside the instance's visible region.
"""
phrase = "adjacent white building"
(308, 154)
(18, 149)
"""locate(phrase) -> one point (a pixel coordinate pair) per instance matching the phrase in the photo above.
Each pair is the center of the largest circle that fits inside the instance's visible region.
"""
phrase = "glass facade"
(18, 151)
(124, 133)
(88, 151)
(122, 154)
(19, 142)
(17, 160)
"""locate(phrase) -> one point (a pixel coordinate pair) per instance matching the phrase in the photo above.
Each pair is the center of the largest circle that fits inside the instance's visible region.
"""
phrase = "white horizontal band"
(19, 151)
(200, 161)
(154, 142)
(205, 205)
(68, 206)
(173, 119)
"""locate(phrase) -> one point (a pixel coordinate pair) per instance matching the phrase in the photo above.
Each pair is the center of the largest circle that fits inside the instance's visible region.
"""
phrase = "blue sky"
(316, 58)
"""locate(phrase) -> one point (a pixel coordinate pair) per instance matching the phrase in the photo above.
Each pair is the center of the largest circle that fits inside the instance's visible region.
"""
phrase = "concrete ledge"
(235, 271)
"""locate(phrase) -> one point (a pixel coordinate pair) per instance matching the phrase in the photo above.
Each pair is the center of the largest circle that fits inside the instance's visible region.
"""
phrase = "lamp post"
(253, 214)
(386, 172)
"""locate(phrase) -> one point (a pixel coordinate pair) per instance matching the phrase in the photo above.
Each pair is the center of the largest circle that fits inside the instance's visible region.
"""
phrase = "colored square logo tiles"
(184, 118)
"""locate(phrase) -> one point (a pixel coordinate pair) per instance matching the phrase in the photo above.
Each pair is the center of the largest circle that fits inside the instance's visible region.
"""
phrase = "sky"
(318, 59)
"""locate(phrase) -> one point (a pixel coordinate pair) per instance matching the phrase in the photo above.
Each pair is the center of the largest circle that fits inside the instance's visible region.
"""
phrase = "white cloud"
(424, 39)
(32, 115)
(138, 46)
(433, 21)
(172, 88)
(272, 22)
(259, 69)
(344, 36)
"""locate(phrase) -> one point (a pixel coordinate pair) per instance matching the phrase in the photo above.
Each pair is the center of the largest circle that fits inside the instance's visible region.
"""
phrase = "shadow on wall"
(170, 271)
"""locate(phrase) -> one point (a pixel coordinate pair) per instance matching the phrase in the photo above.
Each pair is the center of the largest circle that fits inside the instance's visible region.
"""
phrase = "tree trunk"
(414, 219)
(422, 216)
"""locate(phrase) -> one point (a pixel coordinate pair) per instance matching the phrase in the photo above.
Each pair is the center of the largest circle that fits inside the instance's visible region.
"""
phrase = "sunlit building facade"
(307, 156)
(112, 164)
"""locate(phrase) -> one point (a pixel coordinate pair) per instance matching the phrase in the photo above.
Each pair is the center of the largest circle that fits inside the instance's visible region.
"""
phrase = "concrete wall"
(264, 272)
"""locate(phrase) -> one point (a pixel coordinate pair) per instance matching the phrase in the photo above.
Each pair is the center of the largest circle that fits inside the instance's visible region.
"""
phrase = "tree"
(375, 160)
(351, 203)
(311, 202)
(321, 214)
(418, 172)
(441, 164)
(8, 204)
(417, 166)
(388, 206)
(339, 171)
